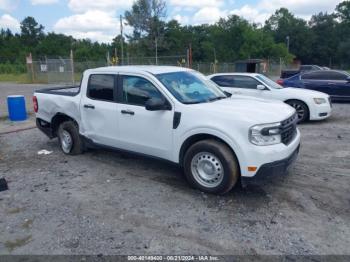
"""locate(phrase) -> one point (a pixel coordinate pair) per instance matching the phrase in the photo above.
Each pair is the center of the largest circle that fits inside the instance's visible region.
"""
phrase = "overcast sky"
(98, 19)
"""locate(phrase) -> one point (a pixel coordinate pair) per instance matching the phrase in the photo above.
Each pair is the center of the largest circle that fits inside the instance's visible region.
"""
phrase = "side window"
(245, 82)
(224, 81)
(335, 76)
(101, 87)
(311, 76)
(325, 75)
(137, 90)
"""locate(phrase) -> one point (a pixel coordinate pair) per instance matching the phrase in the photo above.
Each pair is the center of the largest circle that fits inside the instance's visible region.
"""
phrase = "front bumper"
(276, 168)
(319, 112)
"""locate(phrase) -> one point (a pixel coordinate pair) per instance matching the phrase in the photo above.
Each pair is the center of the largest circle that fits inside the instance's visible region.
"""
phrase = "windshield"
(267, 81)
(191, 87)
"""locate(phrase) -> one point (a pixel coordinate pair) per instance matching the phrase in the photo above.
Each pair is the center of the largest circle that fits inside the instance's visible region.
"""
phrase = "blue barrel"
(17, 108)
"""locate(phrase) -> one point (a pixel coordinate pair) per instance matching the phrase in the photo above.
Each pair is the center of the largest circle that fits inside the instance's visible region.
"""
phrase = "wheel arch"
(199, 137)
(300, 101)
(58, 119)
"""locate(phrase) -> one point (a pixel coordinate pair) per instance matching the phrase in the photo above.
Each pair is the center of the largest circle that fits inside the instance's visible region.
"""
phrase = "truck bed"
(63, 91)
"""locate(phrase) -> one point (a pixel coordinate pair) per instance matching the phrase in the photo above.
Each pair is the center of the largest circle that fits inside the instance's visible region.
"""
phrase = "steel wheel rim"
(207, 169)
(66, 141)
(300, 110)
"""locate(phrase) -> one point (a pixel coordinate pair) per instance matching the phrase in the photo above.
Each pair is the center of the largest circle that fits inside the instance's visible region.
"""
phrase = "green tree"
(283, 25)
(326, 38)
(31, 32)
(146, 17)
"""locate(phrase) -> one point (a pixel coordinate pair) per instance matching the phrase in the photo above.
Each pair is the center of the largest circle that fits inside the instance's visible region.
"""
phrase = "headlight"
(320, 101)
(266, 134)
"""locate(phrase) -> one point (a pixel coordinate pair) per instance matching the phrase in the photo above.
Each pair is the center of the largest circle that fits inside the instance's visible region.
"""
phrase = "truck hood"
(253, 111)
(303, 92)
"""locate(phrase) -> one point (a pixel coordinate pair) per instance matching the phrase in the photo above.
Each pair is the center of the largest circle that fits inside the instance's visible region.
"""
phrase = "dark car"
(302, 69)
(332, 82)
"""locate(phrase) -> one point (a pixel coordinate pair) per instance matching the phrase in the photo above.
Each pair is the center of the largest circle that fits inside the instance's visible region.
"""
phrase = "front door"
(98, 109)
(140, 130)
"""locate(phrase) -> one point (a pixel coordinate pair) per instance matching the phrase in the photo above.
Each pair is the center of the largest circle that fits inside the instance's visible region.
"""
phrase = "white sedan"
(310, 105)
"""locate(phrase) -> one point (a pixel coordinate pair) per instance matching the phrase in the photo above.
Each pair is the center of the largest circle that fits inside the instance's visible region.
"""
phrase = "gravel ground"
(104, 202)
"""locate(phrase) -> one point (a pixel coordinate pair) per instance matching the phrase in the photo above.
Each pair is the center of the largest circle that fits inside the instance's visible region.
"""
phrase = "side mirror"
(348, 79)
(157, 104)
(260, 87)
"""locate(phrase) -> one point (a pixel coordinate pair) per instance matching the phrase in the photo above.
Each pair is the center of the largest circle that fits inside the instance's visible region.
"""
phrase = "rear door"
(140, 130)
(315, 80)
(98, 109)
(337, 83)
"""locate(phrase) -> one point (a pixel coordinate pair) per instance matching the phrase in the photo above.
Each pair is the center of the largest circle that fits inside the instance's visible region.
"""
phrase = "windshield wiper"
(217, 98)
(194, 102)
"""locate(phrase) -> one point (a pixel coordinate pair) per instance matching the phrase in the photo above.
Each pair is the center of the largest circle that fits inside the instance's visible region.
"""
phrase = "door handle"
(127, 112)
(89, 106)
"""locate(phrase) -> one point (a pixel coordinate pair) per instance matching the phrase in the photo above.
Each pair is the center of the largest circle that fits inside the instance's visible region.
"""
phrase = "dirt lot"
(110, 203)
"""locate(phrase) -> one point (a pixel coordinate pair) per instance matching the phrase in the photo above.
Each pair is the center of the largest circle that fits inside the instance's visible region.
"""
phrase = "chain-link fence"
(59, 71)
(67, 71)
(51, 71)
(178, 60)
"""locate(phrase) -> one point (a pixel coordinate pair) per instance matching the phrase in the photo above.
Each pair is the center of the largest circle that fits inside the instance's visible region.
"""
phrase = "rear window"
(313, 75)
(101, 87)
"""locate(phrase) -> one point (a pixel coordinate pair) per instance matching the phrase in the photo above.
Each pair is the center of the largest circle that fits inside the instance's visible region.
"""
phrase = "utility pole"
(156, 42)
(287, 38)
(121, 41)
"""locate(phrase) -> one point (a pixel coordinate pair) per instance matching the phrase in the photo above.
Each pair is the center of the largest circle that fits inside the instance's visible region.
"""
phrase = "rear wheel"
(301, 108)
(69, 139)
(210, 166)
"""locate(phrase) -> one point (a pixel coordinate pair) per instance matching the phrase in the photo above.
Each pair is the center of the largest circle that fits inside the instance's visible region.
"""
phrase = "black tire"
(73, 130)
(301, 108)
(228, 161)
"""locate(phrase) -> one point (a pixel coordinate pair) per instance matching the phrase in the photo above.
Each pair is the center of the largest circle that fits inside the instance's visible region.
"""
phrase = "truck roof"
(140, 69)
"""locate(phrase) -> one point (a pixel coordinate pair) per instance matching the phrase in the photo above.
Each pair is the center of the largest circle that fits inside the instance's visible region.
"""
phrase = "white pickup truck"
(174, 114)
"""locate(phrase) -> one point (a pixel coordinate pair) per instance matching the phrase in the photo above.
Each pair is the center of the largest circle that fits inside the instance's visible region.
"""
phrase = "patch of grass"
(11, 245)
(27, 224)
(15, 210)
(15, 78)
(26, 79)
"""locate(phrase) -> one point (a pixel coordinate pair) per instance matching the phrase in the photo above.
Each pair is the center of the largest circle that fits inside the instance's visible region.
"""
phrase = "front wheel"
(211, 166)
(69, 139)
(301, 108)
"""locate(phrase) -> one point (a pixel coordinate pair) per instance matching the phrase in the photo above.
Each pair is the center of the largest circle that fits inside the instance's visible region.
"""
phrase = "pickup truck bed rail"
(63, 91)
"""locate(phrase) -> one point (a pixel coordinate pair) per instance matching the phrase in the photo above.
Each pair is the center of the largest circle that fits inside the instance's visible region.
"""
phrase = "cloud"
(8, 5)
(300, 8)
(184, 20)
(197, 3)
(96, 25)
(104, 5)
(91, 20)
(251, 14)
(7, 21)
(208, 15)
(43, 2)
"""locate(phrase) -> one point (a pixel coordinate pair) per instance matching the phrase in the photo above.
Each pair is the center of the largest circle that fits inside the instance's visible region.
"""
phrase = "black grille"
(289, 129)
